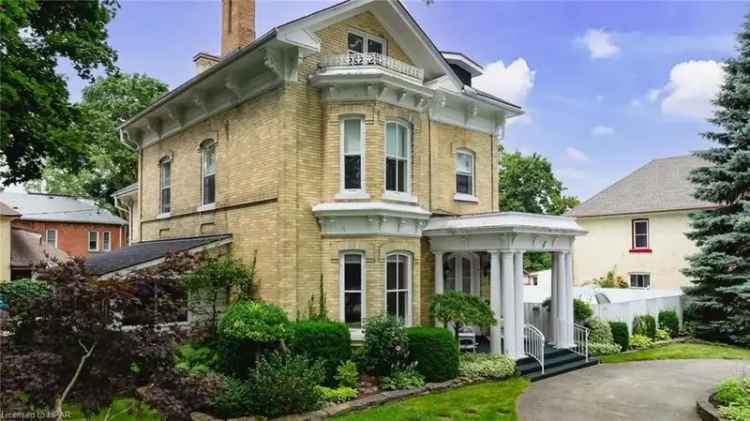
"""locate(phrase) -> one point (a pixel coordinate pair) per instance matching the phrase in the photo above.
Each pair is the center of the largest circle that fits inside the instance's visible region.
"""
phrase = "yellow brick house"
(344, 143)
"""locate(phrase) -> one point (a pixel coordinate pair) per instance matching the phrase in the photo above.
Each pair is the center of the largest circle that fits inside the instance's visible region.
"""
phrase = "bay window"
(352, 151)
(397, 157)
(398, 286)
(352, 287)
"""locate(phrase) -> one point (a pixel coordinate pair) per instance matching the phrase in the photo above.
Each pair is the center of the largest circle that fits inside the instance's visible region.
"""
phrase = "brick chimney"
(237, 24)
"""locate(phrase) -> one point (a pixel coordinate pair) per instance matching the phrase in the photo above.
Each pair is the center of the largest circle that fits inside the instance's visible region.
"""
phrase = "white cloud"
(635, 103)
(599, 131)
(692, 85)
(576, 154)
(653, 95)
(599, 43)
(512, 82)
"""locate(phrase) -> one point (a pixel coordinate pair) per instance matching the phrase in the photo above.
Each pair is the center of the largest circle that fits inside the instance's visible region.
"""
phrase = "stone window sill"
(461, 197)
(640, 250)
(206, 207)
(349, 195)
(164, 215)
(399, 197)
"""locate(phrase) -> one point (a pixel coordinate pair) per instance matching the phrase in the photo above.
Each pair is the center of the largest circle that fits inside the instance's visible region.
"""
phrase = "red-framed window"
(640, 241)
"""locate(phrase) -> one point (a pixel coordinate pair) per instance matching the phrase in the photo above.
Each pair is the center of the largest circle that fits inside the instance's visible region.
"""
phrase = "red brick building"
(74, 225)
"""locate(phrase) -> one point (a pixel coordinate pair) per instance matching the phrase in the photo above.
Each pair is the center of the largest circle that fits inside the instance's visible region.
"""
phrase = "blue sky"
(607, 86)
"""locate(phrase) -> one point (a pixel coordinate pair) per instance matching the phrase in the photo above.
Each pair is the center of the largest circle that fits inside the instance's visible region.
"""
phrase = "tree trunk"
(59, 402)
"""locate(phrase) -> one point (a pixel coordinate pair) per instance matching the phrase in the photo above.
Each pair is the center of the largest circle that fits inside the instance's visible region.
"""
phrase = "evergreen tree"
(720, 271)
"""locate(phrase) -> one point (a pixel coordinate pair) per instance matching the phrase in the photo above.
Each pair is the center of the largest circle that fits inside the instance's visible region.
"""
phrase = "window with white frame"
(397, 157)
(352, 311)
(640, 280)
(361, 42)
(465, 172)
(208, 173)
(52, 238)
(640, 234)
(93, 241)
(352, 162)
(106, 241)
(397, 286)
(165, 186)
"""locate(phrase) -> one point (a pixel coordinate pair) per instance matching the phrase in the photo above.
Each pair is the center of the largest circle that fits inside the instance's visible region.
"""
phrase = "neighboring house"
(7, 214)
(28, 250)
(637, 226)
(343, 143)
(74, 225)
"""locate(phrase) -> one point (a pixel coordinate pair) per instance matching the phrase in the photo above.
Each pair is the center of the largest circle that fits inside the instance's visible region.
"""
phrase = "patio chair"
(467, 339)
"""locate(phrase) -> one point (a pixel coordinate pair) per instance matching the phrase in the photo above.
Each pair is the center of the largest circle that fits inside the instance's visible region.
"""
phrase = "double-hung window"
(52, 238)
(352, 310)
(640, 280)
(397, 286)
(464, 173)
(640, 234)
(93, 241)
(106, 241)
(352, 162)
(165, 186)
(208, 173)
(397, 156)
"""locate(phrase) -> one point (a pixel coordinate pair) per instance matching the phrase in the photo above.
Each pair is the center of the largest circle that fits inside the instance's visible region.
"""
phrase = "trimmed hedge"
(620, 334)
(650, 326)
(436, 352)
(581, 310)
(668, 321)
(322, 340)
(644, 325)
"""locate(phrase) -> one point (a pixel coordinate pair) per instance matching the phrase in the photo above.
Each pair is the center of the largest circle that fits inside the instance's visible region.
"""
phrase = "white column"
(554, 297)
(518, 304)
(439, 281)
(561, 316)
(569, 298)
(495, 341)
(508, 299)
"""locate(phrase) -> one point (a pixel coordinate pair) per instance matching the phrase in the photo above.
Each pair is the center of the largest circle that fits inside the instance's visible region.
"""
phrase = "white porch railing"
(581, 339)
(533, 344)
(372, 59)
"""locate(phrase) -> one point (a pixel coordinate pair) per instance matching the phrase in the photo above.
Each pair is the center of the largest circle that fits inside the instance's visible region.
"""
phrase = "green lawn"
(484, 401)
(119, 407)
(678, 351)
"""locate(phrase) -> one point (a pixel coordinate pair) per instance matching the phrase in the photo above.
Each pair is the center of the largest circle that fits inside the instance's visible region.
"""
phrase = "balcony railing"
(372, 59)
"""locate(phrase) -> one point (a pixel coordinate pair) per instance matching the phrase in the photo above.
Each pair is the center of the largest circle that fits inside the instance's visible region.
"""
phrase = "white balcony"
(373, 59)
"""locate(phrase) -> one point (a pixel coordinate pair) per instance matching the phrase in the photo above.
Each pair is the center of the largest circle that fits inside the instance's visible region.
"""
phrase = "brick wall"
(74, 238)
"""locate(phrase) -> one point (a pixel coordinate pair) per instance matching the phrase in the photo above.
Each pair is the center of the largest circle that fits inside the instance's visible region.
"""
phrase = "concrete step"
(564, 368)
(550, 361)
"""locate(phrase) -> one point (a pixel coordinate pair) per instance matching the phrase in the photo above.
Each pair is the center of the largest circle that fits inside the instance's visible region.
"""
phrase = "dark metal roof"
(146, 251)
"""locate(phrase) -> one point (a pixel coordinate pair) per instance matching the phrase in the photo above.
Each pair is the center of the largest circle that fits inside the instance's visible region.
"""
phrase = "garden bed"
(707, 410)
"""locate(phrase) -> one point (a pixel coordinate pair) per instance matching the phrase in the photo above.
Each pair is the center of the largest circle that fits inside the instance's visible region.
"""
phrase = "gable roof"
(148, 253)
(661, 185)
(58, 208)
(6, 210)
(28, 250)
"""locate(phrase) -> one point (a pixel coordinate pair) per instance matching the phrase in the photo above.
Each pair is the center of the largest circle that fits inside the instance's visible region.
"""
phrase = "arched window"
(165, 186)
(208, 173)
(352, 289)
(398, 286)
(397, 157)
(464, 173)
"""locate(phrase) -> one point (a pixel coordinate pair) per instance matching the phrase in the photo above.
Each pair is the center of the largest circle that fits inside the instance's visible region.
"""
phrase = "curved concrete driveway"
(644, 390)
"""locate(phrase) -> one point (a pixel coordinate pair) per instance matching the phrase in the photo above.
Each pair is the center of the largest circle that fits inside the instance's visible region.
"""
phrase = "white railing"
(533, 344)
(581, 339)
(373, 59)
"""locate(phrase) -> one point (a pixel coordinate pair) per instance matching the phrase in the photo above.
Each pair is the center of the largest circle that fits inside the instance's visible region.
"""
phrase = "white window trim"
(407, 318)
(463, 197)
(88, 240)
(392, 194)
(630, 281)
(360, 193)
(365, 37)
(206, 144)
(356, 334)
(161, 188)
(648, 232)
(106, 247)
(46, 236)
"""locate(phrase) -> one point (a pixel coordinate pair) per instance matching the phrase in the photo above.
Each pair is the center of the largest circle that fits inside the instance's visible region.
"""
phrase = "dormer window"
(361, 42)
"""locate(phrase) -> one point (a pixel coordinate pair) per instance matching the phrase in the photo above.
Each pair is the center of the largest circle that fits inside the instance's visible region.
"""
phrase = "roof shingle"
(660, 185)
(58, 208)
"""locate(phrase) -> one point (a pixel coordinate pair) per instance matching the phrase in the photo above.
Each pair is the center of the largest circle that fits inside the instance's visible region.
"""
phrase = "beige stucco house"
(343, 143)
(637, 226)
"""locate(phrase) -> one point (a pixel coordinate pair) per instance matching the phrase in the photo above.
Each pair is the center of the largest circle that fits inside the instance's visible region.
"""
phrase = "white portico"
(506, 236)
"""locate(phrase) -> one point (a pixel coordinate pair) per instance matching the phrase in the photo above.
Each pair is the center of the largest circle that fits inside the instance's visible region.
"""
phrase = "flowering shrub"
(598, 348)
(476, 367)
(386, 345)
